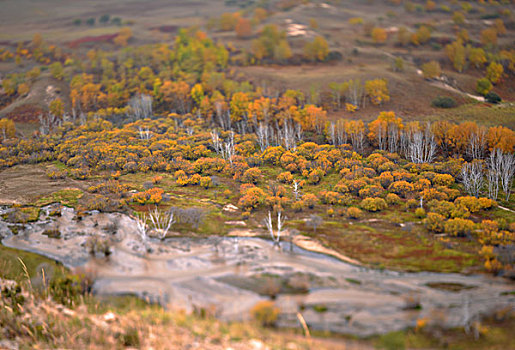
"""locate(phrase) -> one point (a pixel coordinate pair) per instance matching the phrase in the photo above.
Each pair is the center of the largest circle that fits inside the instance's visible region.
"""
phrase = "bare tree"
(381, 136)
(393, 138)
(216, 141)
(296, 190)
(287, 135)
(358, 140)
(507, 173)
(144, 134)
(262, 137)
(192, 216)
(472, 178)
(477, 144)
(161, 222)
(314, 221)
(337, 133)
(141, 226)
(223, 117)
(404, 143)
(141, 106)
(48, 123)
(228, 149)
(276, 236)
(355, 92)
(422, 146)
(493, 174)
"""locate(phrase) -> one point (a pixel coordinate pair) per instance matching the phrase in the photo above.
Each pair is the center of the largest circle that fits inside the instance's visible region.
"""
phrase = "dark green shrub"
(104, 18)
(444, 102)
(492, 97)
(66, 289)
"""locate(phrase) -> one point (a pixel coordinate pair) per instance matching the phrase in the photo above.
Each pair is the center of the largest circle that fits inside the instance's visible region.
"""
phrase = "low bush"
(434, 222)
(265, 312)
(492, 97)
(458, 227)
(443, 102)
(354, 213)
(373, 204)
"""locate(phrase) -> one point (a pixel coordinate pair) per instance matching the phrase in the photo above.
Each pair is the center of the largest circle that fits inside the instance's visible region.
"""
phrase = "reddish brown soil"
(25, 114)
(92, 39)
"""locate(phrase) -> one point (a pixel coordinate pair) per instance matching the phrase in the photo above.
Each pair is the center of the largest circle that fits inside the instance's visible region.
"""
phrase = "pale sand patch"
(243, 233)
(308, 243)
(303, 242)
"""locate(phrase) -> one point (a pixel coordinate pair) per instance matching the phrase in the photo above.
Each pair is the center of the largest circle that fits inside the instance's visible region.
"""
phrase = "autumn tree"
(377, 90)
(379, 35)
(228, 21)
(56, 107)
(431, 70)
(499, 26)
(477, 57)
(123, 37)
(430, 5)
(500, 137)
(23, 89)
(403, 36)
(387, 125)
(494, 72)
(483, 86)
(458, 18)
(463, 35)
(56, 69)
(282, 52)
(421, 36)
(260, 14)
(338, 91)
(269, 38)
(457, 55)
(313, 23)
(37, 40)
(317, 50)
(7, 129)
(243, 28)
(489, 37)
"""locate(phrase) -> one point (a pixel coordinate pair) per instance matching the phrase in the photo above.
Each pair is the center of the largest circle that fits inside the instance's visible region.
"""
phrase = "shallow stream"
(227, 276)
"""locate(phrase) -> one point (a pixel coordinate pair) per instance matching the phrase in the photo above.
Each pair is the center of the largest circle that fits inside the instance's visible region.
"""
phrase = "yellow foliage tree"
(123, 37)
(317, 50)
(379, 35)
(377, 90)
(7, 129)
(431, 70)
(494, 72)
(56, 107)
(457, 55)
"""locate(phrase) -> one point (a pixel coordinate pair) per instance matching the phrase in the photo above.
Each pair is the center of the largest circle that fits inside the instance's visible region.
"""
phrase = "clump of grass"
(67, 197)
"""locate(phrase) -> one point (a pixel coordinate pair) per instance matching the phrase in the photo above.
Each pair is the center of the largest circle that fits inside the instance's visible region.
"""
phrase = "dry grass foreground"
(38, 322)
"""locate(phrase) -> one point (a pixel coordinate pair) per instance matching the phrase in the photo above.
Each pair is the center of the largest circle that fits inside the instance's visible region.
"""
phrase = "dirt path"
(22, 184)
(507, 209)
(447, 87)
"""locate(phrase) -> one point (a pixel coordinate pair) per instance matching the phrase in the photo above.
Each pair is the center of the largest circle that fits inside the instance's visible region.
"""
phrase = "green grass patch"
(381, 244)
(32, 212)
(68, 197)
(12, 269)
